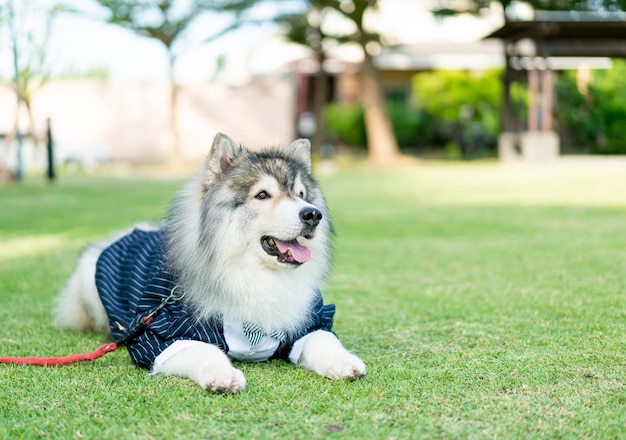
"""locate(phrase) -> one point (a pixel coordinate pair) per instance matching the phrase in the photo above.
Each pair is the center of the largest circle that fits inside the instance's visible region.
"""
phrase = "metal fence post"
(50, 149)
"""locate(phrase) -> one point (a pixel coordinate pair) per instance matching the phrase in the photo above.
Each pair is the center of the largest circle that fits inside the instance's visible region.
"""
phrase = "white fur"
(232, 277)
(78, 306)
(206, 365)
(323, 354)
(253, 286)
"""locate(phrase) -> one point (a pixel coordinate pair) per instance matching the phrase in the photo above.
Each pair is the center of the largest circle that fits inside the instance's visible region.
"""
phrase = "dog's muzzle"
(290, 251)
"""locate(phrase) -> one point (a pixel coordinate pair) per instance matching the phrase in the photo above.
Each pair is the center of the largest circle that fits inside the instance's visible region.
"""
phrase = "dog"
(232, 273)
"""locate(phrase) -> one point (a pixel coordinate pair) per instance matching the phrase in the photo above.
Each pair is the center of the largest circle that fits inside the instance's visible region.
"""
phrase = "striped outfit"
(132, 280)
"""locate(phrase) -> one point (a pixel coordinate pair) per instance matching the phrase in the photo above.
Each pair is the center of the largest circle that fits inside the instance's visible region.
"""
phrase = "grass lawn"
(487, 302)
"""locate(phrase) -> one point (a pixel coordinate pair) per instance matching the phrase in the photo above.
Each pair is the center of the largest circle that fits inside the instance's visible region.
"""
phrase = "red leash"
(61, 360)
(131, 334)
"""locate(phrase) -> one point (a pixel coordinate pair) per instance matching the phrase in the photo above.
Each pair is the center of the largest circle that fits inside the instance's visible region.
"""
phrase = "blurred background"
(152, 81)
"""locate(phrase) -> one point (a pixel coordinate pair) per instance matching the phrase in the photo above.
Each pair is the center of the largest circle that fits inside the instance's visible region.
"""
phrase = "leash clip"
(141, 325)
(171, 299)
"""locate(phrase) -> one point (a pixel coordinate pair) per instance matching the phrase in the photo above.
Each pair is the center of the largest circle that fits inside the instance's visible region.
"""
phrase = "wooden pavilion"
(531, 50)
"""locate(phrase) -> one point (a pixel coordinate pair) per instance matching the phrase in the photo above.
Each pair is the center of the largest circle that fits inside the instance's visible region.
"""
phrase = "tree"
(30, 29)
(381, 141)
(306, 29)
(167, 21)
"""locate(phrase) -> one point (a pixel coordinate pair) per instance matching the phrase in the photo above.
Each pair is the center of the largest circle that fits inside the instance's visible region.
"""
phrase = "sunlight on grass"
(29, 246)
(514, 184)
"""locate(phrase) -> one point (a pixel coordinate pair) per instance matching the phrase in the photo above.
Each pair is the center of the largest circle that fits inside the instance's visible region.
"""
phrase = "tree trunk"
(34, 134)
(176, 158)
(381, 140)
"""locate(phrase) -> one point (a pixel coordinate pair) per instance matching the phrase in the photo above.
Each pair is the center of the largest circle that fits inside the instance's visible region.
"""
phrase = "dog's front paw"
(346, 367)
(225, 380)
(203, 363)
(323, 354)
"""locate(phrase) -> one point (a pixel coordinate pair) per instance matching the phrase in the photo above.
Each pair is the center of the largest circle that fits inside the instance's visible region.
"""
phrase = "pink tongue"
(299, 253)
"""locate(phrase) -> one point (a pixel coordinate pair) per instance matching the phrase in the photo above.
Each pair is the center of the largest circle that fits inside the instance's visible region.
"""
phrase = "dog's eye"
(301, 194)
(262, 195)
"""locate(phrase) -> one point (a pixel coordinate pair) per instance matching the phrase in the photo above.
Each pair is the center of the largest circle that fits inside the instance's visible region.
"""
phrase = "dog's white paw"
(226, 380)
(323, 354)
(346, 367)
(203, 363)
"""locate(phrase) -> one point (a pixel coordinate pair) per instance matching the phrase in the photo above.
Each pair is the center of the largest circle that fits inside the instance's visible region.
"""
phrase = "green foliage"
(487, 302)
(455, 96)
(610, 89)
(453, 150)
(345, 124)
(465, 104)
(577, 123)
(408, 123)
(593, 119)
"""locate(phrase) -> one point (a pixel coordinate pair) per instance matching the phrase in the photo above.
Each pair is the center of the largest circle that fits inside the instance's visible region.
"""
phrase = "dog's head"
(275, 209)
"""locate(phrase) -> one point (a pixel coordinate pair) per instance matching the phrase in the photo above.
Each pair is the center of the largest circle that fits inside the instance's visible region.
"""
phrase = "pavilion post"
(506, 111)
(533, 104)
(547, 97)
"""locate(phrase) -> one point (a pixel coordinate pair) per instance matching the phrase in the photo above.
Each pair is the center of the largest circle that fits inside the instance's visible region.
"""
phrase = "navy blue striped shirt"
(132, 279)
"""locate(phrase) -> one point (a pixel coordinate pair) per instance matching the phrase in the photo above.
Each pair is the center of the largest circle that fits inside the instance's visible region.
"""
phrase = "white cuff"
(296, 350)
(171, 351)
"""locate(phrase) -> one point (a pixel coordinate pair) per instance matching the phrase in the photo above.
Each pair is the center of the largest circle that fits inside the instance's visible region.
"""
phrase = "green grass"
(487, 301)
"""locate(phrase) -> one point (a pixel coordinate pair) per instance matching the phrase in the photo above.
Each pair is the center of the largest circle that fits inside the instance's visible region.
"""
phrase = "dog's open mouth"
(286, 251)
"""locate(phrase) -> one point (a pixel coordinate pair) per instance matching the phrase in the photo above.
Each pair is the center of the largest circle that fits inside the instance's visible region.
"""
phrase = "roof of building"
(570, 33)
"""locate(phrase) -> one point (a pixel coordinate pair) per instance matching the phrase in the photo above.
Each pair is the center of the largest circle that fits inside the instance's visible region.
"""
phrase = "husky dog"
(234, 271)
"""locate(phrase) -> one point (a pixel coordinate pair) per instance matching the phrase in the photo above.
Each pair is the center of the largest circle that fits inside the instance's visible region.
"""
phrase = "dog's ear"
(301, 149)
(223, 152)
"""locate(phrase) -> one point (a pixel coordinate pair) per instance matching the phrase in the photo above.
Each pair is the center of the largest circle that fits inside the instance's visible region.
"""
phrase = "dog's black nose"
(311, 216)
